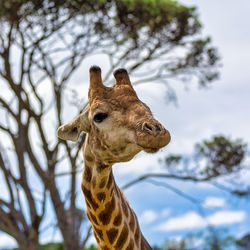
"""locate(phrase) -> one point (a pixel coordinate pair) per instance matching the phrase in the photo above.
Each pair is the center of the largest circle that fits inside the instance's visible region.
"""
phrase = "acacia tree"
(220, 161)
(42, 43)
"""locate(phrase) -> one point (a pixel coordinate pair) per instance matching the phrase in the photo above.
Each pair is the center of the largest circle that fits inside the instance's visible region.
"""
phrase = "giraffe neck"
(115, 224)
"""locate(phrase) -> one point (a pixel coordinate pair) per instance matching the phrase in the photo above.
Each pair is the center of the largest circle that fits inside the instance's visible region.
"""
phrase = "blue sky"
(224, 108)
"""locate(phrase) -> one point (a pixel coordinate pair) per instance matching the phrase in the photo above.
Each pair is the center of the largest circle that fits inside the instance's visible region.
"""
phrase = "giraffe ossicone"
(118, 126)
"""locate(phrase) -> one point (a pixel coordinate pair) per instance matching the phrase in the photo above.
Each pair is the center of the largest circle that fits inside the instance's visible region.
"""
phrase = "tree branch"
(163, 175)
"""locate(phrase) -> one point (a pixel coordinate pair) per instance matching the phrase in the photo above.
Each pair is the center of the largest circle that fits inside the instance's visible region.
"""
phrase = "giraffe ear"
(95, 77)
(96, 86)
(72, 130)
(122, 77)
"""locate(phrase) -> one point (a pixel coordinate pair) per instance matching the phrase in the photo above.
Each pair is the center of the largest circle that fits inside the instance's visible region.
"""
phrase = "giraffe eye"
(99, 117)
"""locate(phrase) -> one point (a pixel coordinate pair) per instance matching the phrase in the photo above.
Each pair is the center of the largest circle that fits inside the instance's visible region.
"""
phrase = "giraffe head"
(117, 123)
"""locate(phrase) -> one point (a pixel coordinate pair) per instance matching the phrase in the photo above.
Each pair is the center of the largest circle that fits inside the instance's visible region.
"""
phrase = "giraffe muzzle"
(153, 136)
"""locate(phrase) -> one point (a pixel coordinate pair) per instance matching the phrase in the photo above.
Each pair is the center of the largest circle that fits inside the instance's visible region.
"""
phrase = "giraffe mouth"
(150, 150)
(152, 144)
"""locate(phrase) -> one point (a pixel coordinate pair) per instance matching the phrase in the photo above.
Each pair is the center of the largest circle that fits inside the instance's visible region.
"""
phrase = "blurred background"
(188, 60)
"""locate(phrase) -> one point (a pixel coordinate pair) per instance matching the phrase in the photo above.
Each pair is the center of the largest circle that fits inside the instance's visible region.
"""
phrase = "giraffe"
(118, 126)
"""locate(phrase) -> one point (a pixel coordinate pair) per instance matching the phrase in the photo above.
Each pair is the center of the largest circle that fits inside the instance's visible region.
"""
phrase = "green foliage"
(17, 10)
(204, 240)
(218, 157)
(91, 247)
(173, 160)
(132, 16)
(157, 248)
(175, 245)
(244, 242)
(222, 155)
(218, 240)
(200, 55)
(158, 16)
(52, 246)
(48, 246)
(151, 27)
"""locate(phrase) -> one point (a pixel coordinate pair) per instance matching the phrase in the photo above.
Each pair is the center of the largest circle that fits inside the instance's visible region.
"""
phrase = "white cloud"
(148, 216)
(187, 221)
(211, 202)
(7, 241)
(192, 220)
(226, 217)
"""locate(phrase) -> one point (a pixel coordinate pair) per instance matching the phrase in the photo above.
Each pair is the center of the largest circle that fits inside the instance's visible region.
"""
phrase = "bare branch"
(7, 174)
(7, 107)
(180, 193)
(164, 175)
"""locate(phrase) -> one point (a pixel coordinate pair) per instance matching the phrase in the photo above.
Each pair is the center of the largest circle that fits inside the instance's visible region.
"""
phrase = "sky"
(223, 108)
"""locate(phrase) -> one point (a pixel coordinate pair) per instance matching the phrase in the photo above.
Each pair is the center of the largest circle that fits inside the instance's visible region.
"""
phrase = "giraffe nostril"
(147, 126)
(152, 128)
(157, 128)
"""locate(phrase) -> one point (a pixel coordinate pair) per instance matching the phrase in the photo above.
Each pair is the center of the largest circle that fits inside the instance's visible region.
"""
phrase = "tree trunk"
(29, 246)
(70, 245)
(31, 242)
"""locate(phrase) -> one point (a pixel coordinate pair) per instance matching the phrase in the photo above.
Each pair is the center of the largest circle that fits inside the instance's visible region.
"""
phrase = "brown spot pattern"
(101, 196)
(89, 198)
(124, 207)
(101, 167)
(110, 180)
(122, 238)
(132, 221)
(105, 215)
(130, 245)
(118, 219)
(87, 174)
(93, 182)
(96, 237)
(88, 204)
(98, 232)
(88, 158)
(123, 99)
(102, 183)
(92, 218)
(137, 236)
(112, 235)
